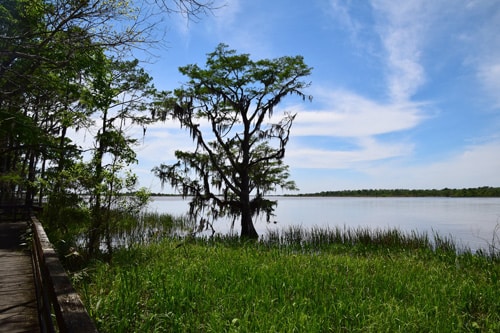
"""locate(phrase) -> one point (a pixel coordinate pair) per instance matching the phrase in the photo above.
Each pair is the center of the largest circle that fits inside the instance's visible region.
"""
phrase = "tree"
(117, 94)
(45, 46)
(238, 157)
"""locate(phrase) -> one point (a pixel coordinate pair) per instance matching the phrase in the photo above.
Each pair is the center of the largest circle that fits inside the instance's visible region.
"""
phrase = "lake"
(471, 222)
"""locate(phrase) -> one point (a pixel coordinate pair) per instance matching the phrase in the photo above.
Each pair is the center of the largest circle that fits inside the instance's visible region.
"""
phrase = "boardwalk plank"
(18, 306)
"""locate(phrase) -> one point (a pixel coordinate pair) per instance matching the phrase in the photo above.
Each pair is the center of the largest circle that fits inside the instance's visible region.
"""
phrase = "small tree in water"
(239, 155)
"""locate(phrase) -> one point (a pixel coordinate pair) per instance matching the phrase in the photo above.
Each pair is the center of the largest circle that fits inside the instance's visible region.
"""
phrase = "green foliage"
(238, 155)
(116, 93)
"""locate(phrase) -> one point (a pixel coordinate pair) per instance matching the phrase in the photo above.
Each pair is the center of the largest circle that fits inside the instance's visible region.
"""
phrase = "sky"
(406, 94)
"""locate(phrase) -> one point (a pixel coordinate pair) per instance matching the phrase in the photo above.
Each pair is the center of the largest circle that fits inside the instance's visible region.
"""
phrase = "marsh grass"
(146, 227)
(127, 229)
(322, 280)
(326, 237)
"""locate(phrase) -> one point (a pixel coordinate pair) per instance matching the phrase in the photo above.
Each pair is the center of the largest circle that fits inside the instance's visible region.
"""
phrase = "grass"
(126, 229)
(146, 228)
(338, 280)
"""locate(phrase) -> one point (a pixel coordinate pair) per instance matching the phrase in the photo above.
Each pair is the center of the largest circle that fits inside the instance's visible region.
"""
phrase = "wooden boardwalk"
(18, 305)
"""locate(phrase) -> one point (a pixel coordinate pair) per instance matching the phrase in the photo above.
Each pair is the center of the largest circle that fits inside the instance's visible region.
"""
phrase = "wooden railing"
(59, 306)
(12, 210)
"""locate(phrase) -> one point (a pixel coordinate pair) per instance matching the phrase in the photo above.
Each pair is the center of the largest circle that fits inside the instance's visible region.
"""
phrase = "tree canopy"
(229, 109)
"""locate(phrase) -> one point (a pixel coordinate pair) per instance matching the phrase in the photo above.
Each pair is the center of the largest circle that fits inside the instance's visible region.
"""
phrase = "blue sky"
(406, 94)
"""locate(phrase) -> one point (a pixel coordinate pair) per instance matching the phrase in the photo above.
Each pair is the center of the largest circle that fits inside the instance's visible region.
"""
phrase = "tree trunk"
(95, 231)
(97, 215)
(30, 189)
(247, 227)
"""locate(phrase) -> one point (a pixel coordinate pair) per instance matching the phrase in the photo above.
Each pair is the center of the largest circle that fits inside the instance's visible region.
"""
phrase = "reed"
(322, 280)
(143, 228)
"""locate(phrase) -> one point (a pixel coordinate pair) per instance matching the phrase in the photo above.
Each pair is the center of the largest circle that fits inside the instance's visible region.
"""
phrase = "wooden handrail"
(55, 294)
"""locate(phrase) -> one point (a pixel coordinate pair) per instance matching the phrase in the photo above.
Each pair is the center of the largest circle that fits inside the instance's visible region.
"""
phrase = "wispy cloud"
(339, 10)
(407, 28)
(355, 120)
(402, 29)
(367, 150)
(226, 14)
(346, 114)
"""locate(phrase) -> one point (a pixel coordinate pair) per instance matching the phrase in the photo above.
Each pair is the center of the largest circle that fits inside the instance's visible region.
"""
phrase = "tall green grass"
(338, 280)
(146, 227)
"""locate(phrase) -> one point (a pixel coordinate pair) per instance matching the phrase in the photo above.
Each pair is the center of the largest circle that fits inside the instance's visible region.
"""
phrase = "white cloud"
(354, 119)
(401, 28)
(346, 114)
(405, 29)
(368, 150)
(476, 165)
(161, 145)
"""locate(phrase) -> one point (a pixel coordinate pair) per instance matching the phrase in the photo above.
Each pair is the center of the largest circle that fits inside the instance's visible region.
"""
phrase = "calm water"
(470, 222)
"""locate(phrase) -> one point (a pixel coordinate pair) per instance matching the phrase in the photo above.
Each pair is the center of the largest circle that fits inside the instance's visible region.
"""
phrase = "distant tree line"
(484, 191)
